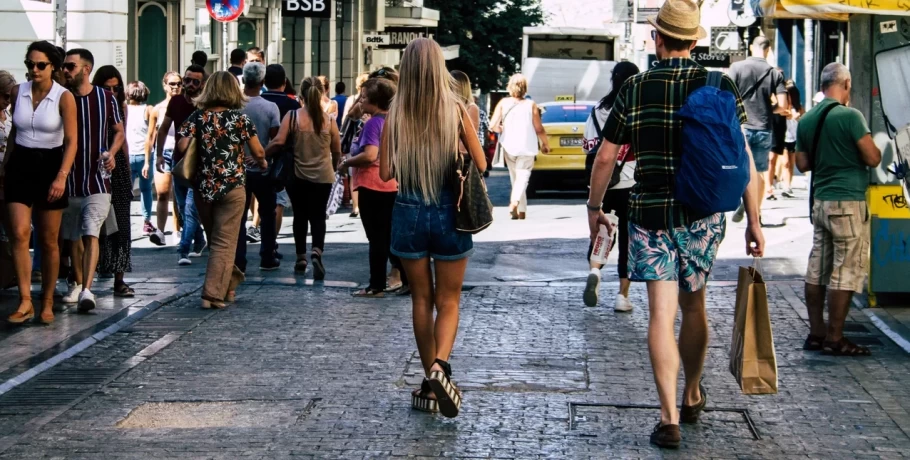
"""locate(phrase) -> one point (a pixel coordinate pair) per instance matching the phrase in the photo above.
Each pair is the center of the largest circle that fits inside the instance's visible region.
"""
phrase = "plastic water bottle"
(102, 164)
(604, 240)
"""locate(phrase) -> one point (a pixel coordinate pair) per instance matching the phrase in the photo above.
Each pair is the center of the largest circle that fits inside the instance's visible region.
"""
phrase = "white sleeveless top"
(519, 138)
(137, 129)
(40, 128)
(171, 141)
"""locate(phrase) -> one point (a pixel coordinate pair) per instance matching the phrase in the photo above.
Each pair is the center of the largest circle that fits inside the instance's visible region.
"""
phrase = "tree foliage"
(489, 32)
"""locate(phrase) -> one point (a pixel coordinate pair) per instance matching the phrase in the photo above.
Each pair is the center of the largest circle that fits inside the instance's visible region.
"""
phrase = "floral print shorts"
(683, 254)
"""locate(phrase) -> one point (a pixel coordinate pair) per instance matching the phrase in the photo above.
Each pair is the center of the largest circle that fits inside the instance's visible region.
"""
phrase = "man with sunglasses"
(89, 186)
(178, 110)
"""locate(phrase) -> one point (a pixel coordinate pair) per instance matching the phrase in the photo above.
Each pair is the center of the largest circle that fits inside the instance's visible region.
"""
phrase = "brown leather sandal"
(844, 347)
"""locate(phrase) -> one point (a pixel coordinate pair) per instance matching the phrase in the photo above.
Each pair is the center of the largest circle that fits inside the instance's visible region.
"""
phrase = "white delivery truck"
(567, 62)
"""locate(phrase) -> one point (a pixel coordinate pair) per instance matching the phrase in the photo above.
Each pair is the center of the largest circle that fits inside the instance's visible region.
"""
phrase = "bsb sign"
(306, 9)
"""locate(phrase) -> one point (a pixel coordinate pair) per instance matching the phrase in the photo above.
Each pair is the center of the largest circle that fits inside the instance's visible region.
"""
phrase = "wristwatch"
(592, 208)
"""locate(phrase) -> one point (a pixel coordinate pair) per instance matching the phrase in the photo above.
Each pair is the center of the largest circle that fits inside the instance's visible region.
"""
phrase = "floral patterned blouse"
(221, 139)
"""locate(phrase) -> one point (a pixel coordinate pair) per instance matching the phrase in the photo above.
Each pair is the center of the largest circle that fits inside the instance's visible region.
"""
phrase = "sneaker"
(158, 238)
(198, 247)
(622, 303)
(772, 197)
(666, 436)
(86, 301)
(739, 214)
(148, 228)
(787, 193)
(253, 235)
(184, 260)
(72, 296)
(592, 288)
(269, 265)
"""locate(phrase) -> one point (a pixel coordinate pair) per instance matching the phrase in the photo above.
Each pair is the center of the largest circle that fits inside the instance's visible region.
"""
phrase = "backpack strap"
(757, 84)
(596, 123)
(813, 149)
(714, 79)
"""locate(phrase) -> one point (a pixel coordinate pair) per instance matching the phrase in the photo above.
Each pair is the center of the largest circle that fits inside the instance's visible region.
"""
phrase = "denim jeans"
(262, 186)
(760, 142)
(137, 162)
(192, 228)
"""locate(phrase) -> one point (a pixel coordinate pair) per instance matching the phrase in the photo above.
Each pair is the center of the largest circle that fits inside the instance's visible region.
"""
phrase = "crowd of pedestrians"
(244, 140)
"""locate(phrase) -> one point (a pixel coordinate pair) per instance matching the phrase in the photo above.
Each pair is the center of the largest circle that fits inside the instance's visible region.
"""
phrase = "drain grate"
(156, 323)
(715, 423)
(39, 397)
(856, 327)
(866, 341)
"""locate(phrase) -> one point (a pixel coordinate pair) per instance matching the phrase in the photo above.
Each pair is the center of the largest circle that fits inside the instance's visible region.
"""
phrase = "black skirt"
(116, 248)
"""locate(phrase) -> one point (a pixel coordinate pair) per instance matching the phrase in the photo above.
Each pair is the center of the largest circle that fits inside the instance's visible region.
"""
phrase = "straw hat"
(679, 19)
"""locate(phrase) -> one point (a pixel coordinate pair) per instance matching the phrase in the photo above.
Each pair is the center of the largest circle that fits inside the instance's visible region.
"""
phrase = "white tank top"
(171, 141)
(137, 129)
(40, 128)
(519, 138)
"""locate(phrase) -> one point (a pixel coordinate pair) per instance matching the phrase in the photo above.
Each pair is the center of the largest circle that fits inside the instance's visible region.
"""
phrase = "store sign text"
(306, 9)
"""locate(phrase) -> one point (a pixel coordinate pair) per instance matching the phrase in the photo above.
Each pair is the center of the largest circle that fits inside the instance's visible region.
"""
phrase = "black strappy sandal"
(318, 267)
(123, 290)
(447, 395)
(420, 401)
(814, 343)
(844, 347)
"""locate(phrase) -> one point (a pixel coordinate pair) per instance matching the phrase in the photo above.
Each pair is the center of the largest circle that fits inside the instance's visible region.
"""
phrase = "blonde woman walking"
(221, 131)
(420, 139)
(517, 119)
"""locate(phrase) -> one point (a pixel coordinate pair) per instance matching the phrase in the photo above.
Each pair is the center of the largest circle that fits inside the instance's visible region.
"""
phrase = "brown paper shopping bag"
(752, 357)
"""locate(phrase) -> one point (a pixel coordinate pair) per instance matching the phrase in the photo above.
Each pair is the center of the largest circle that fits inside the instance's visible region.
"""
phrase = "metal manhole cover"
(525, 373)
(218, 414)
(602, 420)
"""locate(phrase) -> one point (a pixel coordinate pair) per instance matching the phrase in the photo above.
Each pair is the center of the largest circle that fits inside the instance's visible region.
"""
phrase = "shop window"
(893, 68)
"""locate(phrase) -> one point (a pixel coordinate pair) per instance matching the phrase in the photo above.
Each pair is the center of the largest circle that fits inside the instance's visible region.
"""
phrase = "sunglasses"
(41, 65)
(654, 34)
(114, 89)
(69, 66)
(192, 81)
(175, 84)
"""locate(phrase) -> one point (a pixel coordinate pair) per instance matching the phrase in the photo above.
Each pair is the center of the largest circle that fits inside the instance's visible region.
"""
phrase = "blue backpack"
(714, 171)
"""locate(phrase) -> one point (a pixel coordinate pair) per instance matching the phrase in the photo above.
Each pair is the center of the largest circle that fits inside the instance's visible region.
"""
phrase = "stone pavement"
(297, 369)
(310, 372)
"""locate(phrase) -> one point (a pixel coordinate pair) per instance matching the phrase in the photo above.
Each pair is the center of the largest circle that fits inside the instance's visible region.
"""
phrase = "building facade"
(146, 38)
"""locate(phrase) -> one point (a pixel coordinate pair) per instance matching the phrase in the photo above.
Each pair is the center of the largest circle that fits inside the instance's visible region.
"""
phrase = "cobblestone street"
(297, 370)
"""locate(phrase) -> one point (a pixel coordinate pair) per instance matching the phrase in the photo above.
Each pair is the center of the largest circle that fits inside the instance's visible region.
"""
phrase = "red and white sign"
(225, 10)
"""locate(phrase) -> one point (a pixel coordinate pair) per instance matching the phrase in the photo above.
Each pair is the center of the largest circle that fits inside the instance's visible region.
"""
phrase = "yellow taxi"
(564, 123)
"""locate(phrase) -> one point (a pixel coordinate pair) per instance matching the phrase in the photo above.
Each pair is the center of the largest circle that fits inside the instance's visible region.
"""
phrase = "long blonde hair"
(221, 90)
(423, 121)
(311, 93)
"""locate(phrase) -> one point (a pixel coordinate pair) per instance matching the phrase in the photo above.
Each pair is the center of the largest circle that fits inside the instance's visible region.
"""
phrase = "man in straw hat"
(672, 248)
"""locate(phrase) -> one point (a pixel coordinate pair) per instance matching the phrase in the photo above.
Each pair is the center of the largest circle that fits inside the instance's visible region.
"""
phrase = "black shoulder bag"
(617, 171)
(282, 170)
(473, 208)
(813, 149)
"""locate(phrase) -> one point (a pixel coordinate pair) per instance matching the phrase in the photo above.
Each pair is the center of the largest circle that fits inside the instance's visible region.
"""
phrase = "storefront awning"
(832, 10)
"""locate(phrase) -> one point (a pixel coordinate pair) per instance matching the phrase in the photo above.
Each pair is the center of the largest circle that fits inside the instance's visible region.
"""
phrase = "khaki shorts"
(840, 245)
(85, 216)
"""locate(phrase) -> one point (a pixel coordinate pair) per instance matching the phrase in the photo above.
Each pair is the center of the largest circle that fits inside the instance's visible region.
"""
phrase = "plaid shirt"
(644, 115)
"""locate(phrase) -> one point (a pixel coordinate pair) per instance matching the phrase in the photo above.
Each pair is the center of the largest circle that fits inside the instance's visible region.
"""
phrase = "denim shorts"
(760, 142)
(168, 155)
(422, 230)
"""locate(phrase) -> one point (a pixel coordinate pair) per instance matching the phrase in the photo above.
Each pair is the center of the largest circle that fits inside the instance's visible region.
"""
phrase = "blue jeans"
(760, 142)
(137, 162)
(192, 229)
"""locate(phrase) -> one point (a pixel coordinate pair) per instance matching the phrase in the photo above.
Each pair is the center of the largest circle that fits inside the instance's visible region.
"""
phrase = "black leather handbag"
(473, 210)
(282, 170)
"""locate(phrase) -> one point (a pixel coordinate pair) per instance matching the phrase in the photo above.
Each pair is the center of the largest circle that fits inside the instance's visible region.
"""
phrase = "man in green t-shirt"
(840, 175)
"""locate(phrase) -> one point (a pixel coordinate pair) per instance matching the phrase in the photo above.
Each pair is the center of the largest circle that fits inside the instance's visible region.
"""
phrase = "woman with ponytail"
(317, 151)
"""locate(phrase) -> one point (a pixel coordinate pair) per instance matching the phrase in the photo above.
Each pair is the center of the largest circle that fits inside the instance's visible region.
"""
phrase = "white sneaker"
(739, 214)
(72, 296)
(592, 288)
(158, 238)
(86, 301)
(622, 303)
